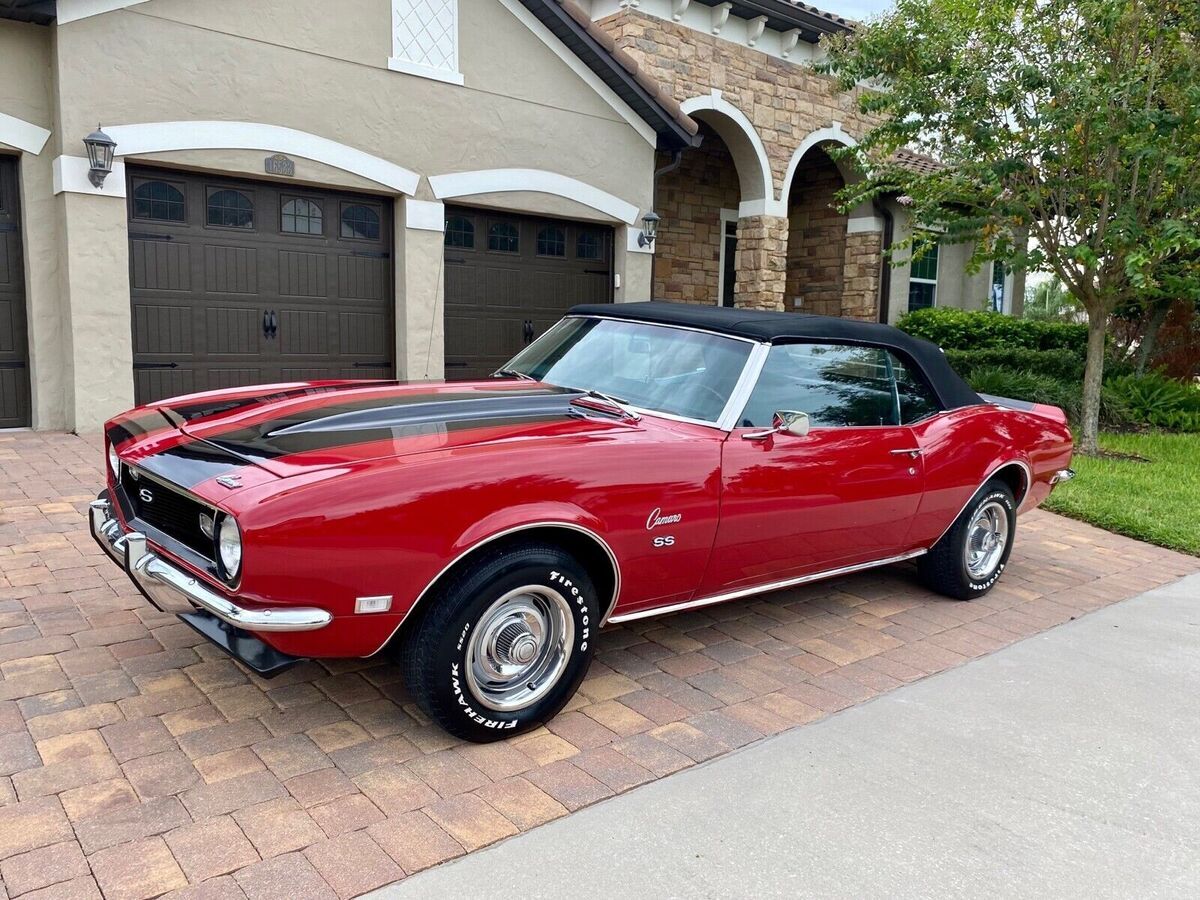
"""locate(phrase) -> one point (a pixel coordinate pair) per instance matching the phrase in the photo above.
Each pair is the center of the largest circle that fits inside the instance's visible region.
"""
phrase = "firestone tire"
(504, 643)
(947, 567)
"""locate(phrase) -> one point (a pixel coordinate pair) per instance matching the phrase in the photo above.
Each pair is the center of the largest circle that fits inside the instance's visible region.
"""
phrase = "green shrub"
(960, 329)
(1066, 365)
(1159, 401)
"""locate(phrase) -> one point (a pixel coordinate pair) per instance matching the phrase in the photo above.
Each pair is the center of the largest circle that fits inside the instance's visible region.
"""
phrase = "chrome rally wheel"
(987, 537)
(520, 648)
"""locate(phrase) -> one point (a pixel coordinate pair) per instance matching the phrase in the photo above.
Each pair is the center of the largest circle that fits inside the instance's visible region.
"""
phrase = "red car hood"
(285, 430)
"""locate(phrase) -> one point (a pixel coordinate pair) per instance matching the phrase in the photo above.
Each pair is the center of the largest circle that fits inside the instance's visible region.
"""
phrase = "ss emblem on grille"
(145, 495)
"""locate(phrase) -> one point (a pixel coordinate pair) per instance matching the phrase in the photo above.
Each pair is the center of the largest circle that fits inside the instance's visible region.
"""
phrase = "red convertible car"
(636, 459)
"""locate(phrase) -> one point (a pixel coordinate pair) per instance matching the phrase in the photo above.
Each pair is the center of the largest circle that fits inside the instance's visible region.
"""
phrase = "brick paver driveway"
(136, 760)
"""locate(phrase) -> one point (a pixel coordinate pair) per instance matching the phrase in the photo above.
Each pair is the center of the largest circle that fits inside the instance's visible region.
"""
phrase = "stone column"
(761, 262)
(420, 290)
(860, 286)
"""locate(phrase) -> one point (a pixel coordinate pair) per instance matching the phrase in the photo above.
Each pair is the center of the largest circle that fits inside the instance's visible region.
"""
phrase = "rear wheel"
(504, 643)
(970, 558)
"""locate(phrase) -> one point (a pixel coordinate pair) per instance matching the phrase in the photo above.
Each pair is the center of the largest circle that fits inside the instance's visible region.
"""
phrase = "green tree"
(1076, 121)
(1048, 301)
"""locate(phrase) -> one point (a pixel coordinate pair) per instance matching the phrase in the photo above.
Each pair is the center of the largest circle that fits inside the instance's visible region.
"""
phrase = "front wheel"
(504, 643)
(970, 558)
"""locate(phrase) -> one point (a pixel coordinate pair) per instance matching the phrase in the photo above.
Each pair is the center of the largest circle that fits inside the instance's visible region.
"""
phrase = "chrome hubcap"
(520, 648)
(986, 540)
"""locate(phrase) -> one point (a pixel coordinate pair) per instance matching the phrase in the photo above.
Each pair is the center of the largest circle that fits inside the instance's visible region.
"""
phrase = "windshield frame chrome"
(738, 397)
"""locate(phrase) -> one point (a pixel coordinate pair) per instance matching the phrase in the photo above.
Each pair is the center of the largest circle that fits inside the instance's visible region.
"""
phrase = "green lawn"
(1158, 501)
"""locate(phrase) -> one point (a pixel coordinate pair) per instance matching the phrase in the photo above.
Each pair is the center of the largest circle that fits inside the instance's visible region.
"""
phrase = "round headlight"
(229, 547)
(114, 462)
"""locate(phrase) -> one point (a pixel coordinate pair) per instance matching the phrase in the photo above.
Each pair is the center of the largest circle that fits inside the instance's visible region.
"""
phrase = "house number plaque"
(280, 165)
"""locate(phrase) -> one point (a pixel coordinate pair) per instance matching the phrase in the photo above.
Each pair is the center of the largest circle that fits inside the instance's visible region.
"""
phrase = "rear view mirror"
(791, 421)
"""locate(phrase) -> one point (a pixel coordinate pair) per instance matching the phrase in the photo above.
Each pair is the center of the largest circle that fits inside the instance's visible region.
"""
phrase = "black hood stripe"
(179, 414)
(187, 465)
(128, 427)
(343, 425)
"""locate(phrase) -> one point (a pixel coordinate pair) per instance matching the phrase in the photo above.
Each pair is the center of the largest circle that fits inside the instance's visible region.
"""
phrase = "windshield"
(652, 367)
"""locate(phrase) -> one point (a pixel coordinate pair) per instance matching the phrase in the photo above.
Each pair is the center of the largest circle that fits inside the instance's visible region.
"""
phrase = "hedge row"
(960, 329)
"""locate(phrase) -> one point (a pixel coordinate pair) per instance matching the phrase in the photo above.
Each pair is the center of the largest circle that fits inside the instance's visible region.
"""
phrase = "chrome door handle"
(914, 452)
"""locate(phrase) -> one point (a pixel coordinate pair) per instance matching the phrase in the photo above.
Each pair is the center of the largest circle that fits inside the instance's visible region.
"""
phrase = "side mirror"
(792, 421)
(785, 421)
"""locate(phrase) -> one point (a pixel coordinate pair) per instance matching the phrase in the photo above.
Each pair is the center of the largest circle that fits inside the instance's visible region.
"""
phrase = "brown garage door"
(510, 277)
(14, 352)
(243, 282)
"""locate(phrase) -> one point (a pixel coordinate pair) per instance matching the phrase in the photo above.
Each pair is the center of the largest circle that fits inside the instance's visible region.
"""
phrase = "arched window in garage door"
(158, 201)
(230, 209)
(300, 216)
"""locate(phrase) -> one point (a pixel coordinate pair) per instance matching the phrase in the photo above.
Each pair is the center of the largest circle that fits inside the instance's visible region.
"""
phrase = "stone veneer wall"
(785, 102)
(816, 257)
(690, 200)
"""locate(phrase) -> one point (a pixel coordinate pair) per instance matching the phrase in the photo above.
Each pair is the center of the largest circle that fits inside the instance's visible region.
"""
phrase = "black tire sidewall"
(472, 597)
(991, 492)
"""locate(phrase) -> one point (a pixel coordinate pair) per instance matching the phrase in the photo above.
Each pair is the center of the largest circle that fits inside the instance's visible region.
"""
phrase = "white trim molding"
(71, 177)
(833, 134)
(547, 37)
(424, 215)
(759, 198)
(74, 10)
(161, 137)
(539, 181)
(25, 136)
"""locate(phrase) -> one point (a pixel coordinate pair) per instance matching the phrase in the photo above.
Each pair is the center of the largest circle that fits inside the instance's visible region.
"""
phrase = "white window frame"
(934, 280)
(397, 63)
(727, 216)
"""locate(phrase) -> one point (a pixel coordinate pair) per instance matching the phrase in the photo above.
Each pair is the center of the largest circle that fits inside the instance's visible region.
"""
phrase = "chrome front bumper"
(171, 589)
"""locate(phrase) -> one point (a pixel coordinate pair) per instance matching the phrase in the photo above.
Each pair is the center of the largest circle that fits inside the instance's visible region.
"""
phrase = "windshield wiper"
(512, 373)
(621, 407)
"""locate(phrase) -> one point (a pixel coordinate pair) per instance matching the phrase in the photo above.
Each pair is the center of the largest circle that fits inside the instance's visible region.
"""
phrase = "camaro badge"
(657, 518)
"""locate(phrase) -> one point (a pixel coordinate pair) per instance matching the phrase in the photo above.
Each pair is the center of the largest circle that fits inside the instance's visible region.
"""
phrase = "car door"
(843, 494)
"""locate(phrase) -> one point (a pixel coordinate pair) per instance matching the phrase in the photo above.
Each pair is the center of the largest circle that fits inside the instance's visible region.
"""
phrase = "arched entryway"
(816, 255)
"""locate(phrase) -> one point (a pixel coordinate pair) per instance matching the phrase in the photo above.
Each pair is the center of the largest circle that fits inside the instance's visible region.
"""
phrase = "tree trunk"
(1158, 315)
(1093, 378)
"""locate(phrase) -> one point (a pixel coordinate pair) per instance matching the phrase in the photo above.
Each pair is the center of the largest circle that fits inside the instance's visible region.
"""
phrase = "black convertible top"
(784, 327)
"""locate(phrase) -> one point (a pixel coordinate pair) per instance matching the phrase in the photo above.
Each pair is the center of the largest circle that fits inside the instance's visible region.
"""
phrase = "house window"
(460, 232)
(552, 241)
(588, 245)
(502, 237)
(922, 279)
(302, 217)
(230, 209)
(996, 295)
(360, 223)
(158, 201)
(425, 39)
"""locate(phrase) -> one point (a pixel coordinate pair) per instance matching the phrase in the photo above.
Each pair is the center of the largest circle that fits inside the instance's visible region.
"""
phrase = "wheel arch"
(1016, 475)
(585, 544)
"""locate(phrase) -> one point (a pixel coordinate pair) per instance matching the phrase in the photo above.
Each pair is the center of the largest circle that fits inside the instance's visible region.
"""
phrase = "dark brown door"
(242, 282)
(510, 277)
(14, 347)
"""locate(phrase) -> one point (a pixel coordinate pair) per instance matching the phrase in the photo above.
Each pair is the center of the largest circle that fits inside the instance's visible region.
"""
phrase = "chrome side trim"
(763, 588)
(612, 558)
(990, 476)
(171, 589)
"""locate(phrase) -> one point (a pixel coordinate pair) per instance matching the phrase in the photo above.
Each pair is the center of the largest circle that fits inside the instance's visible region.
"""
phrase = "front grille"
(170, 511)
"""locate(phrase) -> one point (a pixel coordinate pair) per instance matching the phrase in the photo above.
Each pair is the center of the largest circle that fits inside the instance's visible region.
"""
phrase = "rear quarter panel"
(964, 447)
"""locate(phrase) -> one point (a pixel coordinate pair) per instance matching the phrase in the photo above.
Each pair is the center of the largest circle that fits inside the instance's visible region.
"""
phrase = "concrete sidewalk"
(1066, 765)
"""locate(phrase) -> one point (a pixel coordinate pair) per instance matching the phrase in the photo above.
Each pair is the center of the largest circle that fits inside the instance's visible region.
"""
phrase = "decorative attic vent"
(425, 39)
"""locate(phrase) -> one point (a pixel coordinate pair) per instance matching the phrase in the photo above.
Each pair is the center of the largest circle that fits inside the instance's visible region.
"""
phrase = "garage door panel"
(7, 274)
(162, 329)
(363, 278)
(363, 334)
(160, 265)
(303, 332)
(232, 331)
(303, 274)
(11, 321)
(501, 287)
(14, 347)
(204, 297)
(230, 270)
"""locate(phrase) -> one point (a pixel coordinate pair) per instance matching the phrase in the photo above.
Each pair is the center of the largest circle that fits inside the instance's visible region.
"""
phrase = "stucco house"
(408, 188)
